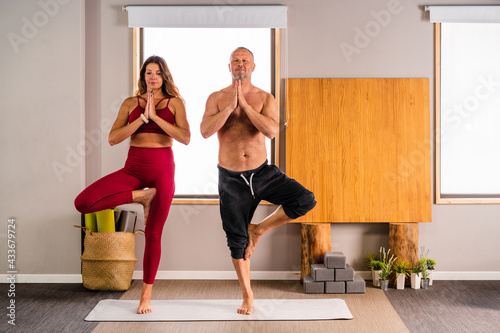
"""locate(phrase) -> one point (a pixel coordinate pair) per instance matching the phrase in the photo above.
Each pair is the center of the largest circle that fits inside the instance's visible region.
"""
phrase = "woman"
(152, 120)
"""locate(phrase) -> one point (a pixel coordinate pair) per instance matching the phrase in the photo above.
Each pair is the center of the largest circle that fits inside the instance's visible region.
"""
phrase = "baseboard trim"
(228, 275)
(437, 275)
(42, 278)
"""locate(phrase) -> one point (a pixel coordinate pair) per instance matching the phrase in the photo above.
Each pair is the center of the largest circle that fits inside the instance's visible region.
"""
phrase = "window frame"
(440, 197)
(138, 59)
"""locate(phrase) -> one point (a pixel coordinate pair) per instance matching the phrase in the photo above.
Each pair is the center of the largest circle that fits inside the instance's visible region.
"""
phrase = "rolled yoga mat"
(221, 310)
(118, 213)
(105, 220)
(90, 221)
(127, 221)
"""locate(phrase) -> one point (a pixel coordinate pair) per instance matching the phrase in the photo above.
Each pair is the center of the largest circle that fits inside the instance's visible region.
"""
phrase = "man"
(243, 116)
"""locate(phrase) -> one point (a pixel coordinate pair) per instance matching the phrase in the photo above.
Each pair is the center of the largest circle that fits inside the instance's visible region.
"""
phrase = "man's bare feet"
(246, 307)
(253, 239)
(145, 302)
(242, 268)
(145, 198)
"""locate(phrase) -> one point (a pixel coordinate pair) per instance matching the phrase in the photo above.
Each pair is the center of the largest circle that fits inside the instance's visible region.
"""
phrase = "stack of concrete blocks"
(334, 276)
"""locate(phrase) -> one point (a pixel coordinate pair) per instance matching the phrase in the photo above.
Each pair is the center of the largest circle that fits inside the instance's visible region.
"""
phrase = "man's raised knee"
(300, 206)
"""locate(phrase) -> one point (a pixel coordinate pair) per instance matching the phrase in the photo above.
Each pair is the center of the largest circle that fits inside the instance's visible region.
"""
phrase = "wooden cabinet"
(362, 146)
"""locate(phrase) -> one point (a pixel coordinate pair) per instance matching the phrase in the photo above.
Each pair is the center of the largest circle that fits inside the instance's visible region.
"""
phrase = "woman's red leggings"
(145, 167)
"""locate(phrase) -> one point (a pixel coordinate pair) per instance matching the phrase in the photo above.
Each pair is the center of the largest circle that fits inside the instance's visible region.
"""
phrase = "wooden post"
(316, 240)
(403, 241)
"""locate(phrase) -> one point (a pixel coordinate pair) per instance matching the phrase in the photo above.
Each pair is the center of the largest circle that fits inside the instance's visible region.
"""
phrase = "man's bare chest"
(238, 120)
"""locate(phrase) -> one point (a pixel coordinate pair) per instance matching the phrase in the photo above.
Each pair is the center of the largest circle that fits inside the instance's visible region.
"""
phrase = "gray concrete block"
(344, 274)
(358, 286)
(335, 260)
(319, 272)
(335, 287)
(313, 287)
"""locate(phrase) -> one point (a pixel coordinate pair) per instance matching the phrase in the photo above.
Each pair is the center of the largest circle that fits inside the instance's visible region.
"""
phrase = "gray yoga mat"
(221, 310)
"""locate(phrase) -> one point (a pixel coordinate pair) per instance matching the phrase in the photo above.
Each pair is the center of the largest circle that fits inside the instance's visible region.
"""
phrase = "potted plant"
(375, 265)
(402, 272)
(430, 267)
(386, 268)
(415, 276)
(430, 263)
(425, 273)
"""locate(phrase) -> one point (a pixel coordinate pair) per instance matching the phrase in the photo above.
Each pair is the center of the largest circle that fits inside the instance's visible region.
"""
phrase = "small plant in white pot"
(415, 276)
(425, 273)
(430, 267)
(375, 265)
(387, 265)
(430, 263)
(401, 268)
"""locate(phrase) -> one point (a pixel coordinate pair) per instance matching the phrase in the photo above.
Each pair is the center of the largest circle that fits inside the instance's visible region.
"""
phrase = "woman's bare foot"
(144, 197)
(253, 239)
(246, 307)
(145, 302)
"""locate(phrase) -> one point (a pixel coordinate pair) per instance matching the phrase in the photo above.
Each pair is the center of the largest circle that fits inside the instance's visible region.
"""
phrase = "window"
(467, 110)
(198, 60)
(196, 42)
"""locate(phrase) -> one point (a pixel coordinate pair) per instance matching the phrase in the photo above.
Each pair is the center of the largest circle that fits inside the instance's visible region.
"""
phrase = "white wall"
(40, 130)
(42, 118)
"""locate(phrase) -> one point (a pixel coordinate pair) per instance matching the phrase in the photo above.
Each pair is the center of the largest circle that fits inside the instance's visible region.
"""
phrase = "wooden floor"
(448, 306)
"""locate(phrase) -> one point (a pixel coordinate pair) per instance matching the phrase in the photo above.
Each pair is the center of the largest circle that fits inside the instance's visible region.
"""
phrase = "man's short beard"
(240, 77)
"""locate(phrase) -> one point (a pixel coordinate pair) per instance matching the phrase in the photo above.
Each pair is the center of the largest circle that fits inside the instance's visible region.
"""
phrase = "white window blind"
(469, 109)
(468, 122)
(207, 16)
(252, 25)
(464, 14)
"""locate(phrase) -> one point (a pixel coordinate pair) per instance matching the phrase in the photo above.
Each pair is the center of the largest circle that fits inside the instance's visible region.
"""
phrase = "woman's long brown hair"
(168, 87)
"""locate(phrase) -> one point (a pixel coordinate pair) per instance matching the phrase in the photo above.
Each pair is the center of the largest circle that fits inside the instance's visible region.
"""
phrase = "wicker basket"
(108, 260)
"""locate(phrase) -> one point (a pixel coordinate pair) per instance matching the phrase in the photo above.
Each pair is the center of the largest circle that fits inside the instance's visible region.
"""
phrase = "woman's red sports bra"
(151, 127)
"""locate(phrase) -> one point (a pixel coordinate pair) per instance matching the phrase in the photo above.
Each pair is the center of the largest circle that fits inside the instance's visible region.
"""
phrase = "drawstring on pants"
(249, 183)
